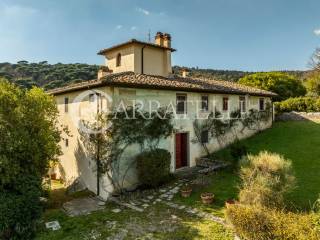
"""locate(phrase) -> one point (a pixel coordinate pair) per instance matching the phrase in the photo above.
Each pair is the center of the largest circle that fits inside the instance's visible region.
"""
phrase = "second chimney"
(159, 38)
(167, 40)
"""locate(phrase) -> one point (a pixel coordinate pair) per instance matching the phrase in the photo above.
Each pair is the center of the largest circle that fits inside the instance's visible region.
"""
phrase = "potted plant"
(186, 191)
(207, 197)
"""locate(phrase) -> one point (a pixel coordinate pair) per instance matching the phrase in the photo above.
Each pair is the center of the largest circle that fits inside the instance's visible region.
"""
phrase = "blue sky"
(252, 35)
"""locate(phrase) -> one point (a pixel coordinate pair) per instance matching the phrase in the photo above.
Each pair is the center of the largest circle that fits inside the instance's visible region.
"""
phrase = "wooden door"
(181, 150)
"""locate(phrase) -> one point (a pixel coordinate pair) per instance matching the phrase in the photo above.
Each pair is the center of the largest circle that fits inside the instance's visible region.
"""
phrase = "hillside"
(46, 75)
(50, 76)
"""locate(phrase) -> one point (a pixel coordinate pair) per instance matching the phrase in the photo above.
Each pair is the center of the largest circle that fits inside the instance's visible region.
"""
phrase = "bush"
(299, 104)
(265, 178)
(237, 151)
(153, 167)
(259, 223)
(19, 207)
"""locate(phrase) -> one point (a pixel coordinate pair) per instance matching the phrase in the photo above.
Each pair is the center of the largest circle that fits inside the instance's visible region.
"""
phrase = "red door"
(181, 150)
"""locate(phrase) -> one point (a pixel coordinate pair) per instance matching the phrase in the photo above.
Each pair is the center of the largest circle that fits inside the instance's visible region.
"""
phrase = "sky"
(248, 35)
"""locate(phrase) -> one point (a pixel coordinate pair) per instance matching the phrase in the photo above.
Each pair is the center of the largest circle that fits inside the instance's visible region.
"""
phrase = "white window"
(242, 104)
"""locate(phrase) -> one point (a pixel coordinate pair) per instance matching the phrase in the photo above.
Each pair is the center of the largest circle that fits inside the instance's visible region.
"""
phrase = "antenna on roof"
(149, 35)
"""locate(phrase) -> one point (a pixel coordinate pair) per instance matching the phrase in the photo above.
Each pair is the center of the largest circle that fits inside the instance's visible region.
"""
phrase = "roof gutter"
(142, 59)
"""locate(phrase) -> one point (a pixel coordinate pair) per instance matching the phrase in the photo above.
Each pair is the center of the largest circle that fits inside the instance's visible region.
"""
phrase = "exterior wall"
(127, 59)
(77, 164)
(156, 61)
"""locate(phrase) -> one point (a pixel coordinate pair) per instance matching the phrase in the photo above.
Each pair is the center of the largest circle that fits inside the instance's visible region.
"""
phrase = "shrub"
(259, 223)
(265, 178)
(237, 151)
(153, 167)
(299, 104)
(19, 207)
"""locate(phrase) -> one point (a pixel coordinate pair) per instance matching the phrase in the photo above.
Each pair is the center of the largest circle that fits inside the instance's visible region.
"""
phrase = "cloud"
(118, 27)
(16, 11)
(133, 28)
(317, 32)
(144, 11)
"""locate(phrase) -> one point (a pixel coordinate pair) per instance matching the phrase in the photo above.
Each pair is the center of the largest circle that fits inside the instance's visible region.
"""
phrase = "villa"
(137, 71)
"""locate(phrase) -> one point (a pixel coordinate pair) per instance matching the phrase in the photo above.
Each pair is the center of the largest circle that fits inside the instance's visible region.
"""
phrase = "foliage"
(28, 130)
(237, 151)
(29, 141)
(19, 207)
(218, 127)
(153, 167)
(265, 177)
(259, 223)
(299, 104)
(226, 75)
(313, 84)
(115, 132)
(283, 84)
(47, 75)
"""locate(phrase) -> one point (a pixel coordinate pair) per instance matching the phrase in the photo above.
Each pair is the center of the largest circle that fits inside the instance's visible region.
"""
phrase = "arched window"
(118, 60)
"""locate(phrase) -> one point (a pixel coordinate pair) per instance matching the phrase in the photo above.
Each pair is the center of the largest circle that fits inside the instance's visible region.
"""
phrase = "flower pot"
(53, 176)
(207, 198)
(186, 192)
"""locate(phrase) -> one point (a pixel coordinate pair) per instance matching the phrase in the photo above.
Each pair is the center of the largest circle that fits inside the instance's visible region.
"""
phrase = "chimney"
(103, 71)
(185, 72)
(159, 39)
(167, 40)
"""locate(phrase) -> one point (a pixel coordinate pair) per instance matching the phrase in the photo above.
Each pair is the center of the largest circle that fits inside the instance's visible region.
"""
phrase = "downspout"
(142, 60)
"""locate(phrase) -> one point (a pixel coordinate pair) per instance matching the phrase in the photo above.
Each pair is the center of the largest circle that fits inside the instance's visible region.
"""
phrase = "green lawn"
(297, 141)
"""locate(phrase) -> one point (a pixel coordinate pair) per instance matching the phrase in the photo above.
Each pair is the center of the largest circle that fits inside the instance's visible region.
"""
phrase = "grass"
(224, 186)
(297, 141)
(157, 222)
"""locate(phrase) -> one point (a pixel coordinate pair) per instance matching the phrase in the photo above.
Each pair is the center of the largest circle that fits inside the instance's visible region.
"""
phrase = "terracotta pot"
(53, 176)
(207, 198)
(186, 192)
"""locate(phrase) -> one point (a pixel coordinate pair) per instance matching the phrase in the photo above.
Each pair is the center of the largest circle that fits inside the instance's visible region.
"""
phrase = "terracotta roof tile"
(133, 80)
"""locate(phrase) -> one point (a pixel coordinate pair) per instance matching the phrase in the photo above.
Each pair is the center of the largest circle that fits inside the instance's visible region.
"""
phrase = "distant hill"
(47, 75)
(227, 75)
(50, 76)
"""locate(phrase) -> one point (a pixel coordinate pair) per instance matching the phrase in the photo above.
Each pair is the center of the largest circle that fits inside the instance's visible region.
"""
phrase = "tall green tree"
(29, 141)
(283, 84)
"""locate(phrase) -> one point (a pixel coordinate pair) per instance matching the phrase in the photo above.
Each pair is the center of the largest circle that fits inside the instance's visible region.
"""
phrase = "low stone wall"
(298, 116)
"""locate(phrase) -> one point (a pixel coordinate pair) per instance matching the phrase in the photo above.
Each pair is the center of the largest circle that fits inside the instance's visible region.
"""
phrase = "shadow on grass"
(156, 222)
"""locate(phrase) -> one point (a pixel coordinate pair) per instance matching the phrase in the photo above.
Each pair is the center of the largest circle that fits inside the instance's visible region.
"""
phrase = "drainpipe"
(142, 61)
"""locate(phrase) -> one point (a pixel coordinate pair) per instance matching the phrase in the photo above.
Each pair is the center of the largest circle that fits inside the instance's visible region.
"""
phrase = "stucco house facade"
(142, 71)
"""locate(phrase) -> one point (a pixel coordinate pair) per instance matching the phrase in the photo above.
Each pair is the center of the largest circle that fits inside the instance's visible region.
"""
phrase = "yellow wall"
(76, 162)
(156, 61)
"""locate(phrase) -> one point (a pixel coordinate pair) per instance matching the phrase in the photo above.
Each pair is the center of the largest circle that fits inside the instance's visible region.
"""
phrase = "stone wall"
(298, 116)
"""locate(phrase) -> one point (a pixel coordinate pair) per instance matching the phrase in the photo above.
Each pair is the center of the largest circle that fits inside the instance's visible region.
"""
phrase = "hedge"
(153, 167)
(20, 208)
(298, 104)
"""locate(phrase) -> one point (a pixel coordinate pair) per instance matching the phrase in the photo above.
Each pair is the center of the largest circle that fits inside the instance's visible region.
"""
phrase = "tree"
(313, 84)
(29, 141)
(283, 84)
